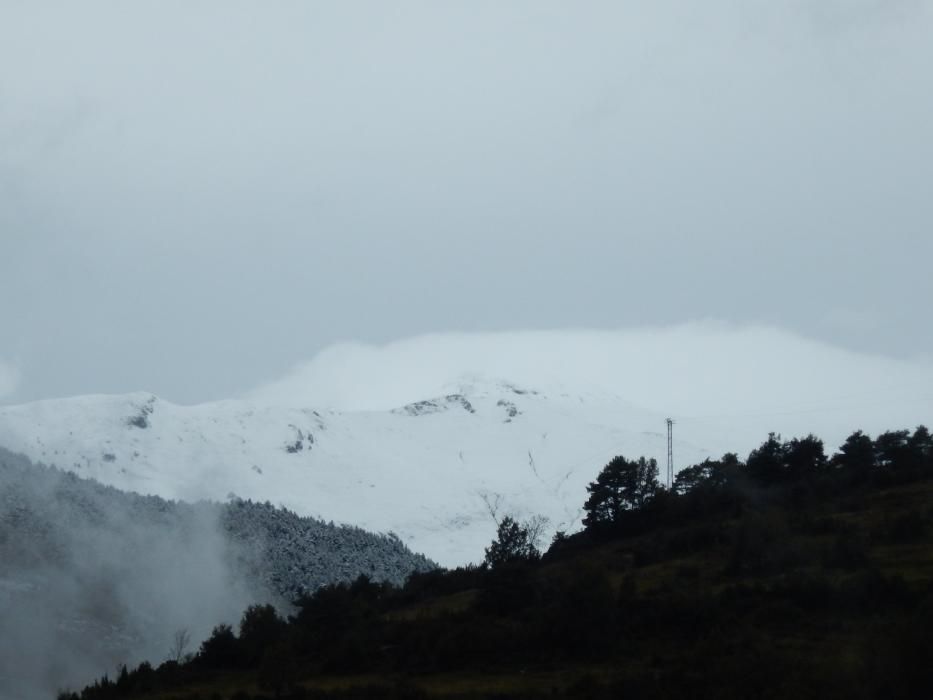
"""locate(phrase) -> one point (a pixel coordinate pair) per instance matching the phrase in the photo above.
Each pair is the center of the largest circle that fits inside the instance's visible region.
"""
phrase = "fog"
(91, 577)
(194, 199)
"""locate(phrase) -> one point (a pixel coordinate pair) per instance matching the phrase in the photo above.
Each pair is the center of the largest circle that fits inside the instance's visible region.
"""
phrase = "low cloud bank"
(739, 380)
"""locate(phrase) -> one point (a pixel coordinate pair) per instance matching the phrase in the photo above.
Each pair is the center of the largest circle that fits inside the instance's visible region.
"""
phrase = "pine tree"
(621, 486)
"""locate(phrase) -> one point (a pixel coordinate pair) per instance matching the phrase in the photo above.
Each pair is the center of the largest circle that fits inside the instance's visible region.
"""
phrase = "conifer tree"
(621, 486)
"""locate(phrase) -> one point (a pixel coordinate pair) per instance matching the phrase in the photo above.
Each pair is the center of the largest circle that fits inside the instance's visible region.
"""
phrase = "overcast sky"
(195, 197)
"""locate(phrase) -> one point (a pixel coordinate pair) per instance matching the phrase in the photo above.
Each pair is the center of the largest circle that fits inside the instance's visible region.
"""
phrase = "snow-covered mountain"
(436, 472)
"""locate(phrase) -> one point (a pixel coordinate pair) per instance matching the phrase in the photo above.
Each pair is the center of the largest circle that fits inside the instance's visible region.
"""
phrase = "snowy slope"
(435, 472)
(421, 442)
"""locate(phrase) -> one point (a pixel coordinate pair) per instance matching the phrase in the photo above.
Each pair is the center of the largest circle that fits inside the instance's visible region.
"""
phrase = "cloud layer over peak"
(697, 371)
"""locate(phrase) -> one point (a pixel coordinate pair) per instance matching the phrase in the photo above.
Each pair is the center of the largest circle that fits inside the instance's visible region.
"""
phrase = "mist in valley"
(92, 578)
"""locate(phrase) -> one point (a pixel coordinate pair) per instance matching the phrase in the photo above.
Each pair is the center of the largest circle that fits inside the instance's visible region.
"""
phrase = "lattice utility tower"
(670, 453)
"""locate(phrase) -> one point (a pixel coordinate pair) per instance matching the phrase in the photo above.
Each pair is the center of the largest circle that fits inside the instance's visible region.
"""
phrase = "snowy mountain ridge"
(436, 472)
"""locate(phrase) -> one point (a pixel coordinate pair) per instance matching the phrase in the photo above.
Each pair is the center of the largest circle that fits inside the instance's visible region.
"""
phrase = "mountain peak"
(426, 470)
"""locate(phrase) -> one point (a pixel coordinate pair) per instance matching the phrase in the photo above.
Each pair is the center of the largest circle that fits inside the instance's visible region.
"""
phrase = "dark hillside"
(790, 574)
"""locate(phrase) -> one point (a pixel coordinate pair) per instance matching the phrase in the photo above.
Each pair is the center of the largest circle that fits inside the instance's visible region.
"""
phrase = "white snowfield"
(437, 472)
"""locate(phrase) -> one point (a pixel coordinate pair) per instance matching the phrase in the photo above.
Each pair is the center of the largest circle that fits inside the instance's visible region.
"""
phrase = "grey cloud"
(193, 200)
(9, 380)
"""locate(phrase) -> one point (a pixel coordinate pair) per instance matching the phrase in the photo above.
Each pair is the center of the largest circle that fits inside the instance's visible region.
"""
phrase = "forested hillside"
(787, 574)
(91, 576)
